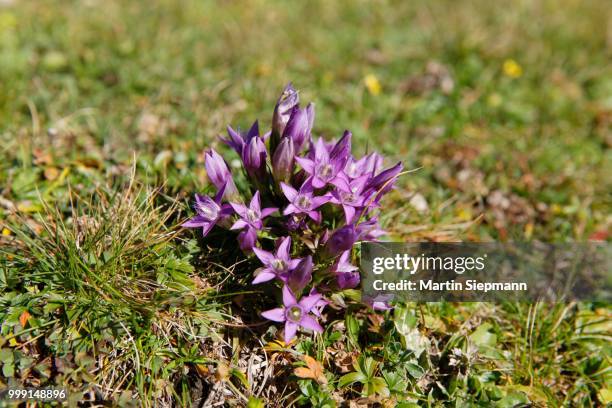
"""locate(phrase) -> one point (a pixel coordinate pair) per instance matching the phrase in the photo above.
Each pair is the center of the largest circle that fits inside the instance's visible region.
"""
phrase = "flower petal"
(288, 297)
(267, 211)
(255, 204)
(196, 222)
(308, 302)
(265, 257)
(206, 228)
(276, 315)
(240, 224)
(263, 276)
(309, 322)
(315, 215)
(289, 191)
(290, 209)
(240, 209)
(307, 164)
(283, 249)
(317, 182)
(318, 201)
(349, 213)
(247, 239)
(290, 330)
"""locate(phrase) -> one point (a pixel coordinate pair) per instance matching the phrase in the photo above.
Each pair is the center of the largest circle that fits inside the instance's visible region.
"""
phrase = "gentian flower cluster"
(308, 203)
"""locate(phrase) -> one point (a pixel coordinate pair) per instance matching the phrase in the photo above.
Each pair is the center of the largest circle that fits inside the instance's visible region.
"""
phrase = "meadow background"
(106, 108)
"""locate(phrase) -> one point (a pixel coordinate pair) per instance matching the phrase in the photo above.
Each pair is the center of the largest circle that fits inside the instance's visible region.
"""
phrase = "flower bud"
(301, 275)
(287, 102)
(284, 160)
(254, 157)
(219, 174)
(299, 126)
(342, 240)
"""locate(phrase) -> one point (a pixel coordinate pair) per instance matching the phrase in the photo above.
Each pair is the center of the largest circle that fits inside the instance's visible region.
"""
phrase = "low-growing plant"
(305, 204)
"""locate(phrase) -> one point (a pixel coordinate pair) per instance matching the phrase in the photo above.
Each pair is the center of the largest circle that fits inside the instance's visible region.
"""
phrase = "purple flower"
(342, 148)
(301, 275)
(383, 182)
(277, 264)
(300, 125)
(247, 239)
(325, 168)
(342, 239)
(219, 174)
(378, 302)
(295, 314)
(237, 140)
(348, 280)
(288, 100)
(209, 212)
(283, 161)
(351, 197)
(295, 223)
(346, 276)
(303, 201)
(254, 157)
(369, 230)
(318, 307)
(368, 165)
(250, 220)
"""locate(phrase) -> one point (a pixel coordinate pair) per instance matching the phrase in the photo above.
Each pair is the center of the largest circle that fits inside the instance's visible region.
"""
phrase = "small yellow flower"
(6, 232)
(528, 230)
(512, 69)
(372, 83)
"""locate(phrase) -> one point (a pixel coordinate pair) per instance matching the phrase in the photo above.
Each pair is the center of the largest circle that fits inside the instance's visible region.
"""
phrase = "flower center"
(251, 215)
(325, 171)
(294, 313)
(352, 170)
(348, 197)
(278, 264)
(207, 212)
(303, 202)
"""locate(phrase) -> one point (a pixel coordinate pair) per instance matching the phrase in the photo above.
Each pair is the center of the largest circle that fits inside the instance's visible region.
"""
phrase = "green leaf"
(352, 328)
(407, 405)
(405, 320)
(376, 385)
(240, 376)
(351, 378)
(255, 403)
(415, 370)
(395, 382)
(367, 366)
(483, 337)
(513, 399)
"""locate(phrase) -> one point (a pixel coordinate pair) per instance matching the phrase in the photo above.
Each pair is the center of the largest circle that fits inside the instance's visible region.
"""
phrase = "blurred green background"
(506, 109)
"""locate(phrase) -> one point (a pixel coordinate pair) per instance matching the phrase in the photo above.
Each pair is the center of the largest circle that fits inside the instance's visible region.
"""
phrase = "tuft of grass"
(102, 295)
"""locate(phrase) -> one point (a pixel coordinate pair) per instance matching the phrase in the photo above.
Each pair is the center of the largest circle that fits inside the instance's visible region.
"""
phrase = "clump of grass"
(98, 292)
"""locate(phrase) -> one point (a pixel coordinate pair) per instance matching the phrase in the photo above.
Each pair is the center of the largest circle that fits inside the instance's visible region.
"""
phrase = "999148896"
(33, 394)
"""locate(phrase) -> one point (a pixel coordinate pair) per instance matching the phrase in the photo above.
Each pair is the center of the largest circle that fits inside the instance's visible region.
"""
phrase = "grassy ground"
(106, 107)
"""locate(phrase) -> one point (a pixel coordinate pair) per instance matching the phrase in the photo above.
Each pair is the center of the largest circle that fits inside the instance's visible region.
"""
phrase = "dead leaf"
(436, 76)
(222, 373)
(313, 370)
(23, 319)
(202, 370)
(376, 321)
(51, 173)
(343, 361)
